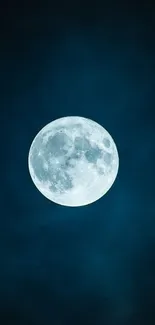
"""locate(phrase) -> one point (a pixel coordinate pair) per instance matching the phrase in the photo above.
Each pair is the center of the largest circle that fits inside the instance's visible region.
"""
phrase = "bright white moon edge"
(88, 177)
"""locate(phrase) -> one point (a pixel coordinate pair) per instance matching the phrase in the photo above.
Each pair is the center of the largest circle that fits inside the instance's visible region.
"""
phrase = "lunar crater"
(106, 142)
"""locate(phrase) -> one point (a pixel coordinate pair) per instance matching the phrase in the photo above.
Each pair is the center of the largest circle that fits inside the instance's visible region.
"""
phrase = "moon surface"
(73, 161)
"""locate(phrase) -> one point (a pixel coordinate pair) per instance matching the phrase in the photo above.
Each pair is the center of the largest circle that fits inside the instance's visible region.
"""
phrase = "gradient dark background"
(93, 265)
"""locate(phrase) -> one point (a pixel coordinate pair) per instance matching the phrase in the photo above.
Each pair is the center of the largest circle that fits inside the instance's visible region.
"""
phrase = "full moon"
(73, 161)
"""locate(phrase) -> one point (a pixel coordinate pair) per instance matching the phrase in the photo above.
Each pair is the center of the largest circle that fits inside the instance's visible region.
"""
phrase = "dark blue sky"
(93, 265)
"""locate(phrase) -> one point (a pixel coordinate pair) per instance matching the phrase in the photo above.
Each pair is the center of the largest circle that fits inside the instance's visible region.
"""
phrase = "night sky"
(91, 265)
